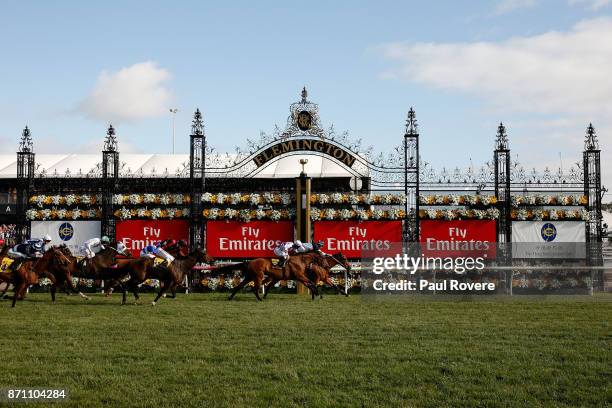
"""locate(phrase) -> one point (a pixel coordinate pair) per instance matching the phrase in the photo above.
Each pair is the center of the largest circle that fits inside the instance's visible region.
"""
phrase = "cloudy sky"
(540, 66)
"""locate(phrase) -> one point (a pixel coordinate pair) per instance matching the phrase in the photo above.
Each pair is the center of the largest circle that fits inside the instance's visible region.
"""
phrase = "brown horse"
(318, 273)
(256, 270)
(62, 274)
(173, 275)
(30, 270)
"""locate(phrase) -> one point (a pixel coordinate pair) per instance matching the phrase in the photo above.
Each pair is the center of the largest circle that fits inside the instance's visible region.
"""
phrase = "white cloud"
(547, 73)
(591, 4)
(131, 93)
(507, 6)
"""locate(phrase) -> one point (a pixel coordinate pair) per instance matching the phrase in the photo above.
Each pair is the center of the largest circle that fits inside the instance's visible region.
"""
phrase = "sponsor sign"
(548, 239)
(71, 233)
(255, 239)
(137, 234)
(353, 238)
(458, 238)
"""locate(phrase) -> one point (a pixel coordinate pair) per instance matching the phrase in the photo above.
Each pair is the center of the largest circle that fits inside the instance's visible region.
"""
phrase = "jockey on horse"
(29, 249)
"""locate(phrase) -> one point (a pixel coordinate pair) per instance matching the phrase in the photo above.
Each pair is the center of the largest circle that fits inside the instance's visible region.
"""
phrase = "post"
(110, 181)
(501, 159)
(25, 182)
(302, 190)
(592, 190)
(411, 180)
(197, 179)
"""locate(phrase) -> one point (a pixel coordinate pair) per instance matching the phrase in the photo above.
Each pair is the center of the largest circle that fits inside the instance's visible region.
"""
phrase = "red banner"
(352, 238)
(473, 238)
(236, 239)
(136, 234)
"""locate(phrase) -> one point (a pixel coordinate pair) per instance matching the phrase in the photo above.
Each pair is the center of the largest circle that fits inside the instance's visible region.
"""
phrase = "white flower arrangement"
(149, 198)
(329, 213)
(323, 198)
(70, 199)
(254, 199)
(178, 199)
(275, 215)
(165, 199)
(207, 197)
(346, 214)
(260, 214)
(231, 213)
(362, 214)
(336, 198)
(125, 214)
(245, 215)
(117, 199)
(315, 214)
(31, 214)
(285, 198)
(135, 199)
(55, 199)
(268, 198)
(213, 214)
(61, 213)
(221, 198)
(155, 213)
(522, 214)
(235, 198)
(377, 214)
(141, 212)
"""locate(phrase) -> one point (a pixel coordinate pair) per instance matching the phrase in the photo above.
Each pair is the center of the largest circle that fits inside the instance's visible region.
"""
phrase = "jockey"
(301, 248)
(154, 251)
(282, 251)
(95, 245)
(32, 248)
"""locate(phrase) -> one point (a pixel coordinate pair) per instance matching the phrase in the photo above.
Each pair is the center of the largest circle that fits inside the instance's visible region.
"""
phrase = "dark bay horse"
(173, 275)
(258, 269)
(30, 270)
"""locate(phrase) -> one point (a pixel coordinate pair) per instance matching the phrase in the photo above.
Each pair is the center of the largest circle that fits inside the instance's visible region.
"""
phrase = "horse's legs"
(134, 287)
(257, 286)
(338, 289)
(163, 287)
(70, 286)
(271, 282)
(238, 287)
(21, 286)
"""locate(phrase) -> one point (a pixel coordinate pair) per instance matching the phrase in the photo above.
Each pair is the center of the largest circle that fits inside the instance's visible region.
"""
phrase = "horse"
(62, 274)
(173, 275)
(257, 269)
(322, 274)
(317, 273)
(28, 271)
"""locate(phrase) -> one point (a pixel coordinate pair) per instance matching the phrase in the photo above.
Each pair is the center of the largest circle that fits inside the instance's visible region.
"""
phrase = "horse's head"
(201, 256)
(119, 248)
(59, 255)
(341, 260)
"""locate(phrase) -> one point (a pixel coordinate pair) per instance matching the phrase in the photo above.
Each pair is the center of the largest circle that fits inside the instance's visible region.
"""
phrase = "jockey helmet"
(47, 238)
(298, 242)
(105, 240)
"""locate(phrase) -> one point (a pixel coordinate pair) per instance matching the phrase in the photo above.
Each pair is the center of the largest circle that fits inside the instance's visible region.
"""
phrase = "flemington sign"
(308, 145)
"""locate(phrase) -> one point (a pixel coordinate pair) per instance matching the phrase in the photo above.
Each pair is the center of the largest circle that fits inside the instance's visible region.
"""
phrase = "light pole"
(173, 112)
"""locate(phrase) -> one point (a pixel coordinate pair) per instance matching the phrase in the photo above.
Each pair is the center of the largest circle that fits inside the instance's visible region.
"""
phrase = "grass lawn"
(201, 350)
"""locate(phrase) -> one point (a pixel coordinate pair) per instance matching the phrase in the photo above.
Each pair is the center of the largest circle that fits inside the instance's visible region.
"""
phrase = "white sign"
(70, 233)
(548, 239)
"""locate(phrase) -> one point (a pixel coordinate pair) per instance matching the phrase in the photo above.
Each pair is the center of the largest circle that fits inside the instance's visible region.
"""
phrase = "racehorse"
(318, 273)
(173, 275)
(97, 267)
(62, 274)
(29, 271)
(257, 269)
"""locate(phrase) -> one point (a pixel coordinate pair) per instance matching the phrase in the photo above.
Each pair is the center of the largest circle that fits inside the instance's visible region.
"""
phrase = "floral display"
(457, 199)
(248, 215)
(63, 214)
(318, 214)
(249, 199)
(488, 214)
(153, 213)
(68, 200)
(163, 199)
(574, 199)
(355, 199)
(539, 214)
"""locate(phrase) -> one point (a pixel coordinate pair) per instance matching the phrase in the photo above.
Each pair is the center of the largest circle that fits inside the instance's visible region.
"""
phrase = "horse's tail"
(225, 269)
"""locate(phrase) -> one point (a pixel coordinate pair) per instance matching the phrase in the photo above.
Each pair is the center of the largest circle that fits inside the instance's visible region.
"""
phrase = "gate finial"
(304, 94)
(411, 123)
(501, 139)
(110, 142)
(26, 145)
(590, 142)
(197, 125)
